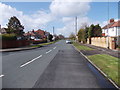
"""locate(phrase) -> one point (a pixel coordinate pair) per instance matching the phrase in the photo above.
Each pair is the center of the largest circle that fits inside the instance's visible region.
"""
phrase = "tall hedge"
(8, 37)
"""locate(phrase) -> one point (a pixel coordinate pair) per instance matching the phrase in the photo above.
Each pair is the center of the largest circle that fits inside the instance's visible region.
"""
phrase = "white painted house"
(112, 29)
(2, 30)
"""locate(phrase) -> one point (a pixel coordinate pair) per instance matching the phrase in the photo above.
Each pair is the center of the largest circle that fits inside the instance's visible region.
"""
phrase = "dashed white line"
(54, 48)
(1, 76)
(48, 51)
(30, 61)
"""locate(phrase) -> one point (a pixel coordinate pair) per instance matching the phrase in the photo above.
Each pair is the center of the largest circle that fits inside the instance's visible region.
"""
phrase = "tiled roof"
(114, 24)
(108, 25)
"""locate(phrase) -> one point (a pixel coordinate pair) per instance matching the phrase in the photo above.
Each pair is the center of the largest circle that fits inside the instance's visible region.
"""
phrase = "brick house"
(35, 35)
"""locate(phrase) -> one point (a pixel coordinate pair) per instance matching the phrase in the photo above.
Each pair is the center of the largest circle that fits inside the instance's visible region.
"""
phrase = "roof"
(41, 32)
(2, 30)
(114, 24)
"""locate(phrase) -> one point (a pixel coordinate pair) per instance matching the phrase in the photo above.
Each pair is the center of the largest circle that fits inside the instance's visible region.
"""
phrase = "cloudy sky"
(61, 15)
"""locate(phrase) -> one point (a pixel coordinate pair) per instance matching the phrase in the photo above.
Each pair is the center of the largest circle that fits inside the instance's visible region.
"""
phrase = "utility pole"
(76, 27)
(53, 33)
(53, 30)
(108, 28)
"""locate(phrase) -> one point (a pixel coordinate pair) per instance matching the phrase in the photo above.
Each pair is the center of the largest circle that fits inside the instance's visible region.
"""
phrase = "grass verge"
(108, 64)
(81, 47)
(42, 44)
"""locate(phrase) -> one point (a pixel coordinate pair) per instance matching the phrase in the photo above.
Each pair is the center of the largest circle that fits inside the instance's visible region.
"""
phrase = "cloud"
(69, 8)
(64, 12)
(34, 21)
(69, 26)
(6, 12)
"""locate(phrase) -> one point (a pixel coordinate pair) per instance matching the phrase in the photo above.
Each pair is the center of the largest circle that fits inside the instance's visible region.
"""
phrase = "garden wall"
(103, 42)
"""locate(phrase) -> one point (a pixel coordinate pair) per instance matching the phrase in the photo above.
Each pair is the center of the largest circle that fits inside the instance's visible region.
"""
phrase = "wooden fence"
(14, 44)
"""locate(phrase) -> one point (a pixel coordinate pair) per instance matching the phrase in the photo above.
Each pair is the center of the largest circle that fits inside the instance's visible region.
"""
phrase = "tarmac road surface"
(54, 66)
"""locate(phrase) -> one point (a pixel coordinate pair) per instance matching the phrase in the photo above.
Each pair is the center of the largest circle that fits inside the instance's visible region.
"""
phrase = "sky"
(61, 15)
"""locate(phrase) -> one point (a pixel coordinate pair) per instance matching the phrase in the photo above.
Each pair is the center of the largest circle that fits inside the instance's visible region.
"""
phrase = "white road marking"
(54, 48)
(48, 51)
(30, 61)
(1, 76)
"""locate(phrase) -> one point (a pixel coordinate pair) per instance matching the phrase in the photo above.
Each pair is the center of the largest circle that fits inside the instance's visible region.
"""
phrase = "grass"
(81, 47)
(42, 44)
(108, 64)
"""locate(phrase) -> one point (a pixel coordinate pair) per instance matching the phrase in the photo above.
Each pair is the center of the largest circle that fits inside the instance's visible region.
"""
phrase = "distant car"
(68, 42)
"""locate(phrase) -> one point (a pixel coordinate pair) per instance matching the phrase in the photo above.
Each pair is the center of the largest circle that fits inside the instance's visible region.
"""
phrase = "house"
(41, 33)
(112, 29)
(30, 35)
(2, 30)
(35, 35)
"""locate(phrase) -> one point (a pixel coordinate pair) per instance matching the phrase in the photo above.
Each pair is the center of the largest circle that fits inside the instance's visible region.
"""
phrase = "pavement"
(100, 50)
(16, 49)
(57, 65)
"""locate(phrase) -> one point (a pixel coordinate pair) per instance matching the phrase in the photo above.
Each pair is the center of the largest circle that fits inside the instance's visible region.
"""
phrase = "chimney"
(111, 20)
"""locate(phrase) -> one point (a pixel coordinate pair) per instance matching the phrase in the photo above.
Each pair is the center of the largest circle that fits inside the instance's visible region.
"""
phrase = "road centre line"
(48, 51)
(54, 48)
(1, 76)
(30, 61)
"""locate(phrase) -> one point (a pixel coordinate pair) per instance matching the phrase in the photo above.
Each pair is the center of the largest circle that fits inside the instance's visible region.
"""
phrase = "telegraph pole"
(76, 27)
(53, 30)
(53, 33)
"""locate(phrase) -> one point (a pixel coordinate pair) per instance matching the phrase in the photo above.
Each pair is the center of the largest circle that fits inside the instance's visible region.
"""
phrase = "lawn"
(108, 64)
(81, 47)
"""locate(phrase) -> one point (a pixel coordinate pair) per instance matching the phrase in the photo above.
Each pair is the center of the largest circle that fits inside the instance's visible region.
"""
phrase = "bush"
(8, 37)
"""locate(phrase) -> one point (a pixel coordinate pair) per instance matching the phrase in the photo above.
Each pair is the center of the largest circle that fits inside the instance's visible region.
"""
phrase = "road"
(54, 66)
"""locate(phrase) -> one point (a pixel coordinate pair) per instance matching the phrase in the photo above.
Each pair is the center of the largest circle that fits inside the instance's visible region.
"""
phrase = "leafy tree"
(97, 31)
(91, 31)
(72, 36)
(50, 37)
(86, 33)
(81, 35)
(14, 26)
(61, 36)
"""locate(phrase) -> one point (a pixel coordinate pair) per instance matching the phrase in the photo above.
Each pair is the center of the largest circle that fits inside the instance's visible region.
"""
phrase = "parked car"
(68, 42)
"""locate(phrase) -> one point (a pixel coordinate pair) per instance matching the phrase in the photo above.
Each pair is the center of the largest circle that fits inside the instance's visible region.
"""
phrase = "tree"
(72, 36)
(97, 31)
(14, 26)
(86, 33)
(91, 31)
(81, 35)
(50, 37)
(61, 36)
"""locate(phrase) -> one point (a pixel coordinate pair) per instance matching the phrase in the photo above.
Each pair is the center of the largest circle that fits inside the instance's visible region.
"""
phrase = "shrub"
(8, 37)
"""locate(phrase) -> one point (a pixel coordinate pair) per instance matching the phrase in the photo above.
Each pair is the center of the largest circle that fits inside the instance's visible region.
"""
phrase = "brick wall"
(103, 42)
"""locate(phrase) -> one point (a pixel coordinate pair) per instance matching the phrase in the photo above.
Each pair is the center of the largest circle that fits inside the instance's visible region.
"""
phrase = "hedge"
(8, 37)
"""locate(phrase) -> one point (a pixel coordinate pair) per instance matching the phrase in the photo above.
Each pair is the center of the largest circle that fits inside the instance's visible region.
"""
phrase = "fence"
(14, 44)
